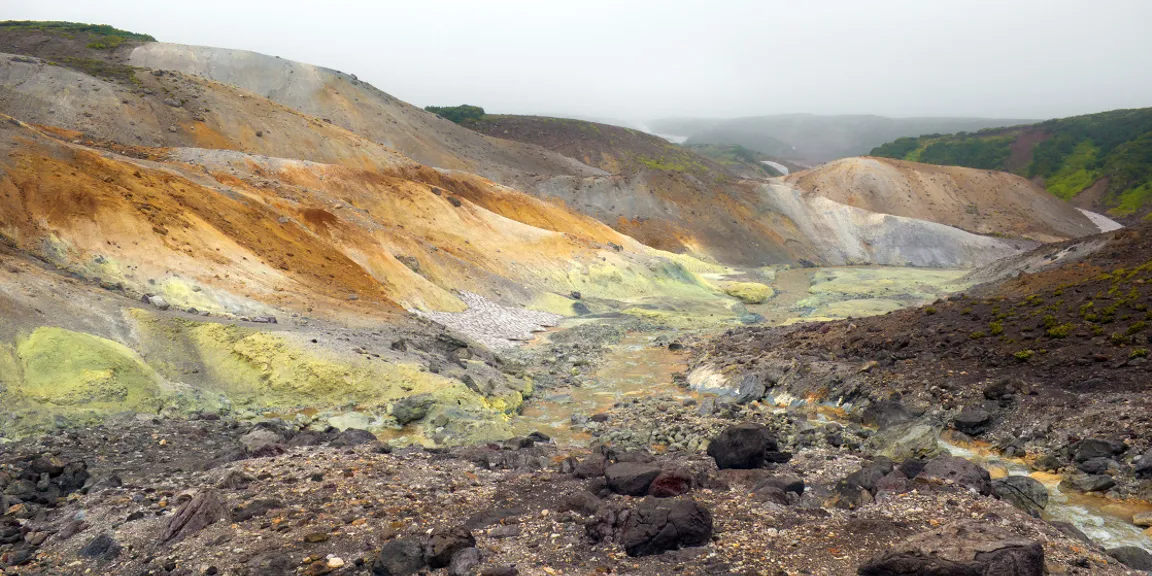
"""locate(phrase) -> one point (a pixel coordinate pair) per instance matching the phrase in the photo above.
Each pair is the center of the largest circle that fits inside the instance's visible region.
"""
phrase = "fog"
(648, 59)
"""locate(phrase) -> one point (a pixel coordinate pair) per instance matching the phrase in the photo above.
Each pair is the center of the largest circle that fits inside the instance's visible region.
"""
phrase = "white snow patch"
(1104, 223)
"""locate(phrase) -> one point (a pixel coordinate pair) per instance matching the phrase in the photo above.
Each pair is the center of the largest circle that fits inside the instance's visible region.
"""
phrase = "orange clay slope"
(224, 231)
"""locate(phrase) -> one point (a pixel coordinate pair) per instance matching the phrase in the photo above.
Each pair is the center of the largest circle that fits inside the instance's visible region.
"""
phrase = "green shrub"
(930, 310)
(1139, 353)
(1023, 355)
(1061, 331)
(996, 328)
(976, 335)
(459, 114)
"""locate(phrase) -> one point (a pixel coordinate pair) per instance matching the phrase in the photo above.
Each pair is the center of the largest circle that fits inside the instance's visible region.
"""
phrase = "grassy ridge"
(1069, 155)
(103, 30)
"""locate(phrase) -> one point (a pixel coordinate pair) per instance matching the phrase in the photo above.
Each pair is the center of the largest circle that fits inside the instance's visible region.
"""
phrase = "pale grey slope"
(344, 100)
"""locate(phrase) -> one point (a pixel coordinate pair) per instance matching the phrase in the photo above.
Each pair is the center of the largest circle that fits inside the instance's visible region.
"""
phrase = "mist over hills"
(816, 138)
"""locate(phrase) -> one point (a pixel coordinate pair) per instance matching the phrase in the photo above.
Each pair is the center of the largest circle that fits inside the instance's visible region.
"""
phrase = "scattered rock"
(742, 446)
(199, 512)
(399, 557)
(352, 437)
(959, 471)
(102, 547)
(660, 524)
(1132, 557)
(1090, 448)
(631, 478)
(972, 421)
(412, 408)
(969, 548)
(670, 483)
(443, 544)
(1024, 492)
(1087, 482)
(464, 562)
(260, 439)
(907, 441)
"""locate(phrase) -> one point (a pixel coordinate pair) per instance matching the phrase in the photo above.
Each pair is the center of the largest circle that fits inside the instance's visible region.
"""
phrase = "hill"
(816, 138)
(1099, 161)
(979, 201)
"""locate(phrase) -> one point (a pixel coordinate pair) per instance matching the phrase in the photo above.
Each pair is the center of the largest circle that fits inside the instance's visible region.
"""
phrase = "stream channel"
(638, 367)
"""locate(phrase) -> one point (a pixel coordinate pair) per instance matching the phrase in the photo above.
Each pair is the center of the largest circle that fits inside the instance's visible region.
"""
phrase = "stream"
(1107, 522)
(637, 367)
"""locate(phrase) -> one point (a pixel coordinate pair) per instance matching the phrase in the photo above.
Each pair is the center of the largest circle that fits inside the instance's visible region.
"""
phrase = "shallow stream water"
(1108, 522)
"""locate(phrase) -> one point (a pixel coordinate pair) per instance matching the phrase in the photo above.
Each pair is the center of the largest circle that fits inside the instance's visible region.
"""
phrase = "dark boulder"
(785, 482)
(352, 437)
(1098, 465)
(968, 548)
(771, 494)
(412, 408)
(399, 557)
(1024, 492)
(972, 421)
(886, 413)
(911, 468)
(742, 446)
(590, 467)
(859, 487)
(1087, 482)
(102, 547)
(1132, 557)
(751, 388)
(464, 562)
(660, 524)
(1090, 448)
(1143, 466)
(198, 513)
(443, 544)
(631, 478)
(1047, 463)
(670, 483)
(959, 471)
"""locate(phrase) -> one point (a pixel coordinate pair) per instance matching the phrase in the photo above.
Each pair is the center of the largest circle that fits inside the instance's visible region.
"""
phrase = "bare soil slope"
(979, 201)
(345, 101)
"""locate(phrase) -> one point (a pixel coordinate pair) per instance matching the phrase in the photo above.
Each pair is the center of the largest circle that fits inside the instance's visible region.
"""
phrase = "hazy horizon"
(642, 60)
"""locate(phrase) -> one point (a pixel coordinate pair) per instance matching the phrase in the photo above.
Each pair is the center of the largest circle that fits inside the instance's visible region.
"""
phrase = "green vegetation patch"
(103, 30)
(102, 69)
(1070, 155)
(462, 114)
(982, 152)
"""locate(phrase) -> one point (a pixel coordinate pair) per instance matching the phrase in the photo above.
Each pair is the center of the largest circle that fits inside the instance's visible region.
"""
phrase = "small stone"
(316, 537)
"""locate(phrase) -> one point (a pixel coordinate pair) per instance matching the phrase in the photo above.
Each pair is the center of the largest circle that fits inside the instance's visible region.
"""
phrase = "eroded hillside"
(979, 201)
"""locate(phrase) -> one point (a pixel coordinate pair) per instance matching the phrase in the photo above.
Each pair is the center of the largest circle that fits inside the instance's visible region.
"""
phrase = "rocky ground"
(210, 496)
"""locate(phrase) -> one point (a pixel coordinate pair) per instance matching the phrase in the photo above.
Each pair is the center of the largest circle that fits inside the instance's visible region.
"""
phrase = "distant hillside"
(1098, 161)
(815, 138)
(736, 158)
(610, 148)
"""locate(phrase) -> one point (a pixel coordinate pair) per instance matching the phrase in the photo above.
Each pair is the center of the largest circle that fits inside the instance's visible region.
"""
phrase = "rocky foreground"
(767, 493)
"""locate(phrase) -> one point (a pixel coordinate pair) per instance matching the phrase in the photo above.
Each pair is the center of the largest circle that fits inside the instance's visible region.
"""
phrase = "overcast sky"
(719, 58)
